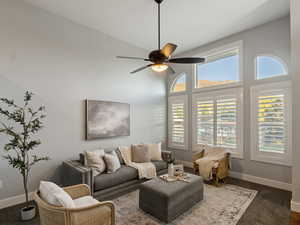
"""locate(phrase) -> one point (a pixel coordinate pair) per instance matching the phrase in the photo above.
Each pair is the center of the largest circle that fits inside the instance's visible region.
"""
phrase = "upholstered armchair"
(220, 169)
(101, 213)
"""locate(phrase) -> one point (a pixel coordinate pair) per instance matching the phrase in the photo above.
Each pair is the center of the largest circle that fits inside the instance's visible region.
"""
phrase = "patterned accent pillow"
(140, 153)
(112, 163)
(94, 159)
(155, 151)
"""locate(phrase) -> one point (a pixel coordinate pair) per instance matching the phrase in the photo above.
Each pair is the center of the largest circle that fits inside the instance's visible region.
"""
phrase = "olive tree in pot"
(22, 123)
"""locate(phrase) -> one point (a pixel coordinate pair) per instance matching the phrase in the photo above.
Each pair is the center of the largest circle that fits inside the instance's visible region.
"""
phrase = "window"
(217, 120)
(220, 69)
(179, 84)
(271, 123)
(178, 121)
(269, 66)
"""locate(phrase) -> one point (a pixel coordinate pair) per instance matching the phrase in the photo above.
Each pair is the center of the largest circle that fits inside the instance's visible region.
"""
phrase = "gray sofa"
(107, 186)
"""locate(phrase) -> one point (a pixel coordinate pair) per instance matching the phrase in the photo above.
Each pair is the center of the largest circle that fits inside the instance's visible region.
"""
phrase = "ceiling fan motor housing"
(157, 56)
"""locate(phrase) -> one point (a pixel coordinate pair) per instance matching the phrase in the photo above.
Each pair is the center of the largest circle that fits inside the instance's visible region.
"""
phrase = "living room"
(214, 102)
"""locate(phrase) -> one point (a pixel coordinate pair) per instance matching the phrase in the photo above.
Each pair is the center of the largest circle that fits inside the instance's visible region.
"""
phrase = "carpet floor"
(270, 207)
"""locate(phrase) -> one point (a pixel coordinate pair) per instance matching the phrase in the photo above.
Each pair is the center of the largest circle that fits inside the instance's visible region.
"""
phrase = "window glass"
(218, 70)
(179, 84)
(267, 66)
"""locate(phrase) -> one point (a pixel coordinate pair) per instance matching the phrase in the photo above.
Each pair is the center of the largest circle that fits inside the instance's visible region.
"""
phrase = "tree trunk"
(26, 188)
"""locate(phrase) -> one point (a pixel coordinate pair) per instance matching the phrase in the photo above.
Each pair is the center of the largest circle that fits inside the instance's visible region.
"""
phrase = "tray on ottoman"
(168, 200)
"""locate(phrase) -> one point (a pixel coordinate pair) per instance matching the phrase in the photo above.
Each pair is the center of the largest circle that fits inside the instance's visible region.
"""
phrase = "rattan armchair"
(102, 213)
(218, 173)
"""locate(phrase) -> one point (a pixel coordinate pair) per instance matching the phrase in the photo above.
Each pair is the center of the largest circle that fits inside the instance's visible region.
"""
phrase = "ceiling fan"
(161, 58)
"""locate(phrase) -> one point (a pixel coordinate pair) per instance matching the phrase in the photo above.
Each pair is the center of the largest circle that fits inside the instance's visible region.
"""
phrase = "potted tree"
(21, 124)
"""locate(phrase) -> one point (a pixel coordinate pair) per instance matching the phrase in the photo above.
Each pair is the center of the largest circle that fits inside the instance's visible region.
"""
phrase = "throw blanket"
(145, 170)
(211, 159)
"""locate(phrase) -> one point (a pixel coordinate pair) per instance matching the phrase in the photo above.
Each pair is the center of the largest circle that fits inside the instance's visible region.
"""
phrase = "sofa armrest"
(73, 172)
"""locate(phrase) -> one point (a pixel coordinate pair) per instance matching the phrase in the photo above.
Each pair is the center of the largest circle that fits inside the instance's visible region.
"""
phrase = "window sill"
(272, 160)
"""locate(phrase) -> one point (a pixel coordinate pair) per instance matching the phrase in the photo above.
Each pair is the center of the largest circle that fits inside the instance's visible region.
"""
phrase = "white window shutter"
(178, 119)
(271, 123)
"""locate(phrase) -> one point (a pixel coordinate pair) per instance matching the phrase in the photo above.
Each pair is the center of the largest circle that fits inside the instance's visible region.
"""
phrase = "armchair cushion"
(85, 201)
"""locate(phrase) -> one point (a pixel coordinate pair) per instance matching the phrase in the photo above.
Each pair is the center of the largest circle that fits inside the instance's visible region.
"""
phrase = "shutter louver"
(271, 123)
(226, 122)
(205, 122)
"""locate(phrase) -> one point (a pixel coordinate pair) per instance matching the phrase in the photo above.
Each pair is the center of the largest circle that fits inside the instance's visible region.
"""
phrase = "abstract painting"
(107, 119)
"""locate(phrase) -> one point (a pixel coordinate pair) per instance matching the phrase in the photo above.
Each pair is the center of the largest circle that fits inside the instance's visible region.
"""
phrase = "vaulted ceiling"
(188, 23)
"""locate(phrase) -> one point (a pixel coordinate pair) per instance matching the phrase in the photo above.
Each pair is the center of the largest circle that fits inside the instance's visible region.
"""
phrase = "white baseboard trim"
(295, 206)
(250, 178)
(15, 200)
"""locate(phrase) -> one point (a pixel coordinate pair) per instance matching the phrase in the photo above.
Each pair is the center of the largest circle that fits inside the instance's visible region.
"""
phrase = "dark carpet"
(270, 207)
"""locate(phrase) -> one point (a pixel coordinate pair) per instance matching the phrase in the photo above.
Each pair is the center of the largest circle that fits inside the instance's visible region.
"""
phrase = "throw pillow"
(140, 153)
(155, 151)
(112, 163)
(55, 195)
(95, 160)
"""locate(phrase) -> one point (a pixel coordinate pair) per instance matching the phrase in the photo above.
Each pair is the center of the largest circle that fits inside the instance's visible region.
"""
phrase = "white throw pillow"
(55, 195)
(95, 160)
(155, 151)
(112, 163)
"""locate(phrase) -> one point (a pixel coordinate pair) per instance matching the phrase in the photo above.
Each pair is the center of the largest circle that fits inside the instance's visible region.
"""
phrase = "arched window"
(269, 66)
(179, 84)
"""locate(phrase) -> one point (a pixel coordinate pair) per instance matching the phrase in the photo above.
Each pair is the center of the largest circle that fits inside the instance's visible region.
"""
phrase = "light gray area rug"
(223, 205)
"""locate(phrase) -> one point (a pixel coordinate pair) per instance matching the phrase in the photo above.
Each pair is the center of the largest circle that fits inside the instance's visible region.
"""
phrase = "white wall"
(64, 64)
(295, 35)
(271, 38)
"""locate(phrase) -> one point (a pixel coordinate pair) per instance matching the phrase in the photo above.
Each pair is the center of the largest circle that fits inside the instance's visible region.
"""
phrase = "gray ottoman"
(168, 200)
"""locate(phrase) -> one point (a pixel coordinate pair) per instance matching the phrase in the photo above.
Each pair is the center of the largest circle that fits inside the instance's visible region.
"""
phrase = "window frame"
(273, 77)
(174, 81)
(237, 93)
(219, 51)
(271, 157)
(172, 99)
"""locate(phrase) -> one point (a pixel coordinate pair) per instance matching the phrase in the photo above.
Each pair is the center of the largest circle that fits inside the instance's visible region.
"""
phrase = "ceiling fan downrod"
(158, 3)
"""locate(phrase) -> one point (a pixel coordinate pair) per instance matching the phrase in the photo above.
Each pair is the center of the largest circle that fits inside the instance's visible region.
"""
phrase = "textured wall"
(271, 38)
(64, 64)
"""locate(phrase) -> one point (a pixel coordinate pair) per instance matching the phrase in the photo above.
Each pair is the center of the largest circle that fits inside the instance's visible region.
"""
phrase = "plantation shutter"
(226, 122)
(271, 123)
(178, 121)
(205, 122)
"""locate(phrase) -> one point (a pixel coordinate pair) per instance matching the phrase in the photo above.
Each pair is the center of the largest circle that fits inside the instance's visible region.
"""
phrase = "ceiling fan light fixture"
(160, 67)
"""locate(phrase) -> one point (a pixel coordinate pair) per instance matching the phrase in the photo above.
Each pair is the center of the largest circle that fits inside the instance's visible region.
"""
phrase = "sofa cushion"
(122, 175)
(160, 165)
(94, 159)
(112, 162)
(155, 151)
(140, 153)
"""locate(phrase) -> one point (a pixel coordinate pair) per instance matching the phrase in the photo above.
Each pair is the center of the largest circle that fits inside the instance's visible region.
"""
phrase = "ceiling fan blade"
(127, 57)
(192, 60)
(171, 70)
(142, 68)
(168, 49)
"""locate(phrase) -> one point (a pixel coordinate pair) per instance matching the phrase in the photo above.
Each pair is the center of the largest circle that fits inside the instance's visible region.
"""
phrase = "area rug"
(223, 205)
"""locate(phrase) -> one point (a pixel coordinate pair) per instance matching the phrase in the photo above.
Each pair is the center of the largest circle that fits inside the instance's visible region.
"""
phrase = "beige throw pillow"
(140, 153)
(94, 159)
(112, 163)
(155, 151)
